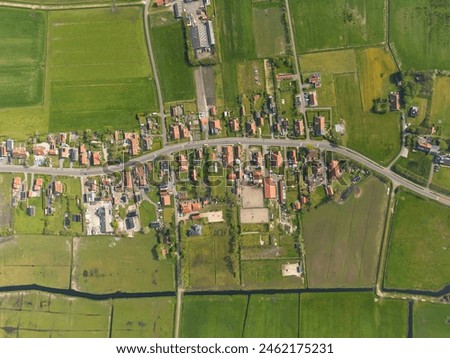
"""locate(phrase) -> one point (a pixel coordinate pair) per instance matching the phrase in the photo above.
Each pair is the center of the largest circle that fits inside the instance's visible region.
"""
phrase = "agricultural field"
(175, 74)
(418, 256)
(419, 34)
(416, 167)
(213, 316)
(92, 84)
(72, 2)
(104, 264)
(36, 259)
(342, 240)
(42, 315)
(236, 43)
(334, 62)
(269, 30)
(431, 320)
(206, 260)
(375, 66)
(22, 53)
(441, 180)
(323, 24)
(143, 317)
(22, 70)
(440, 105)
(351, 315)
(272, 316)
(374, 135)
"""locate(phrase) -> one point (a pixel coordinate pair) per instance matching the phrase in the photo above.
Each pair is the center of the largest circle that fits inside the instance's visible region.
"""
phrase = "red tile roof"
(270, 188)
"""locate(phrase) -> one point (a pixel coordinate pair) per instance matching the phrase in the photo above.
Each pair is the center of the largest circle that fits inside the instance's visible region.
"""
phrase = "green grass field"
(376, 136)
(246, 77)
(22, 54)
(213, 316)
(36, 259)
(342, 241)
(431, 320)
(43, 315)
(440, 105)
(147, 213)
(351, 315)
(325, 25)
(5, 200)
(416, 167)
(419, 33)
(99, 72)
(258, 274)
(143, 318)
(269, 31)
(418, 253)
(22, 71)
(175, 74)
(206, 259)
(103, 264)
(272, 316)
(441, 179)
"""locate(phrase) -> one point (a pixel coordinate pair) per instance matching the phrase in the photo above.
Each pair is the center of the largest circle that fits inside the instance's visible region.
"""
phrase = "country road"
(169, 149)
(155, 72)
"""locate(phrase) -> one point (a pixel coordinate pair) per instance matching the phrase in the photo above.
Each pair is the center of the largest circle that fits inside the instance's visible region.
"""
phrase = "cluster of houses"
(67, 146)
(21, 192)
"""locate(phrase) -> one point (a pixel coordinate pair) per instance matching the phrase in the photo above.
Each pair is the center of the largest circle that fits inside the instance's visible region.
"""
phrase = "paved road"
(155, 72)
(169, 149)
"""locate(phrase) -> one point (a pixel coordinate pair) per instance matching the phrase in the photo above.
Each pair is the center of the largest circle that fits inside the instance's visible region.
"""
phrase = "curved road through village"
(172, 148)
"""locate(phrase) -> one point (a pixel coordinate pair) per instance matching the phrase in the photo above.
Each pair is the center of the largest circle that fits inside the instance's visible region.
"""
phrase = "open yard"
(351, 315)
(143, 317)
(431, 320)
(342, 241)
(251, 77)
(42, 315)
(103, 264)
(416, 167)
(269, 30)
(91, 83)
(419, 33)
(323, 24)
(272, 316)
(206, 260)
(213, 316)
(175, 74)
(418, 254)
(440, 105)
(374, 135)
(5, 200)
(441, 180)
(36, 259)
